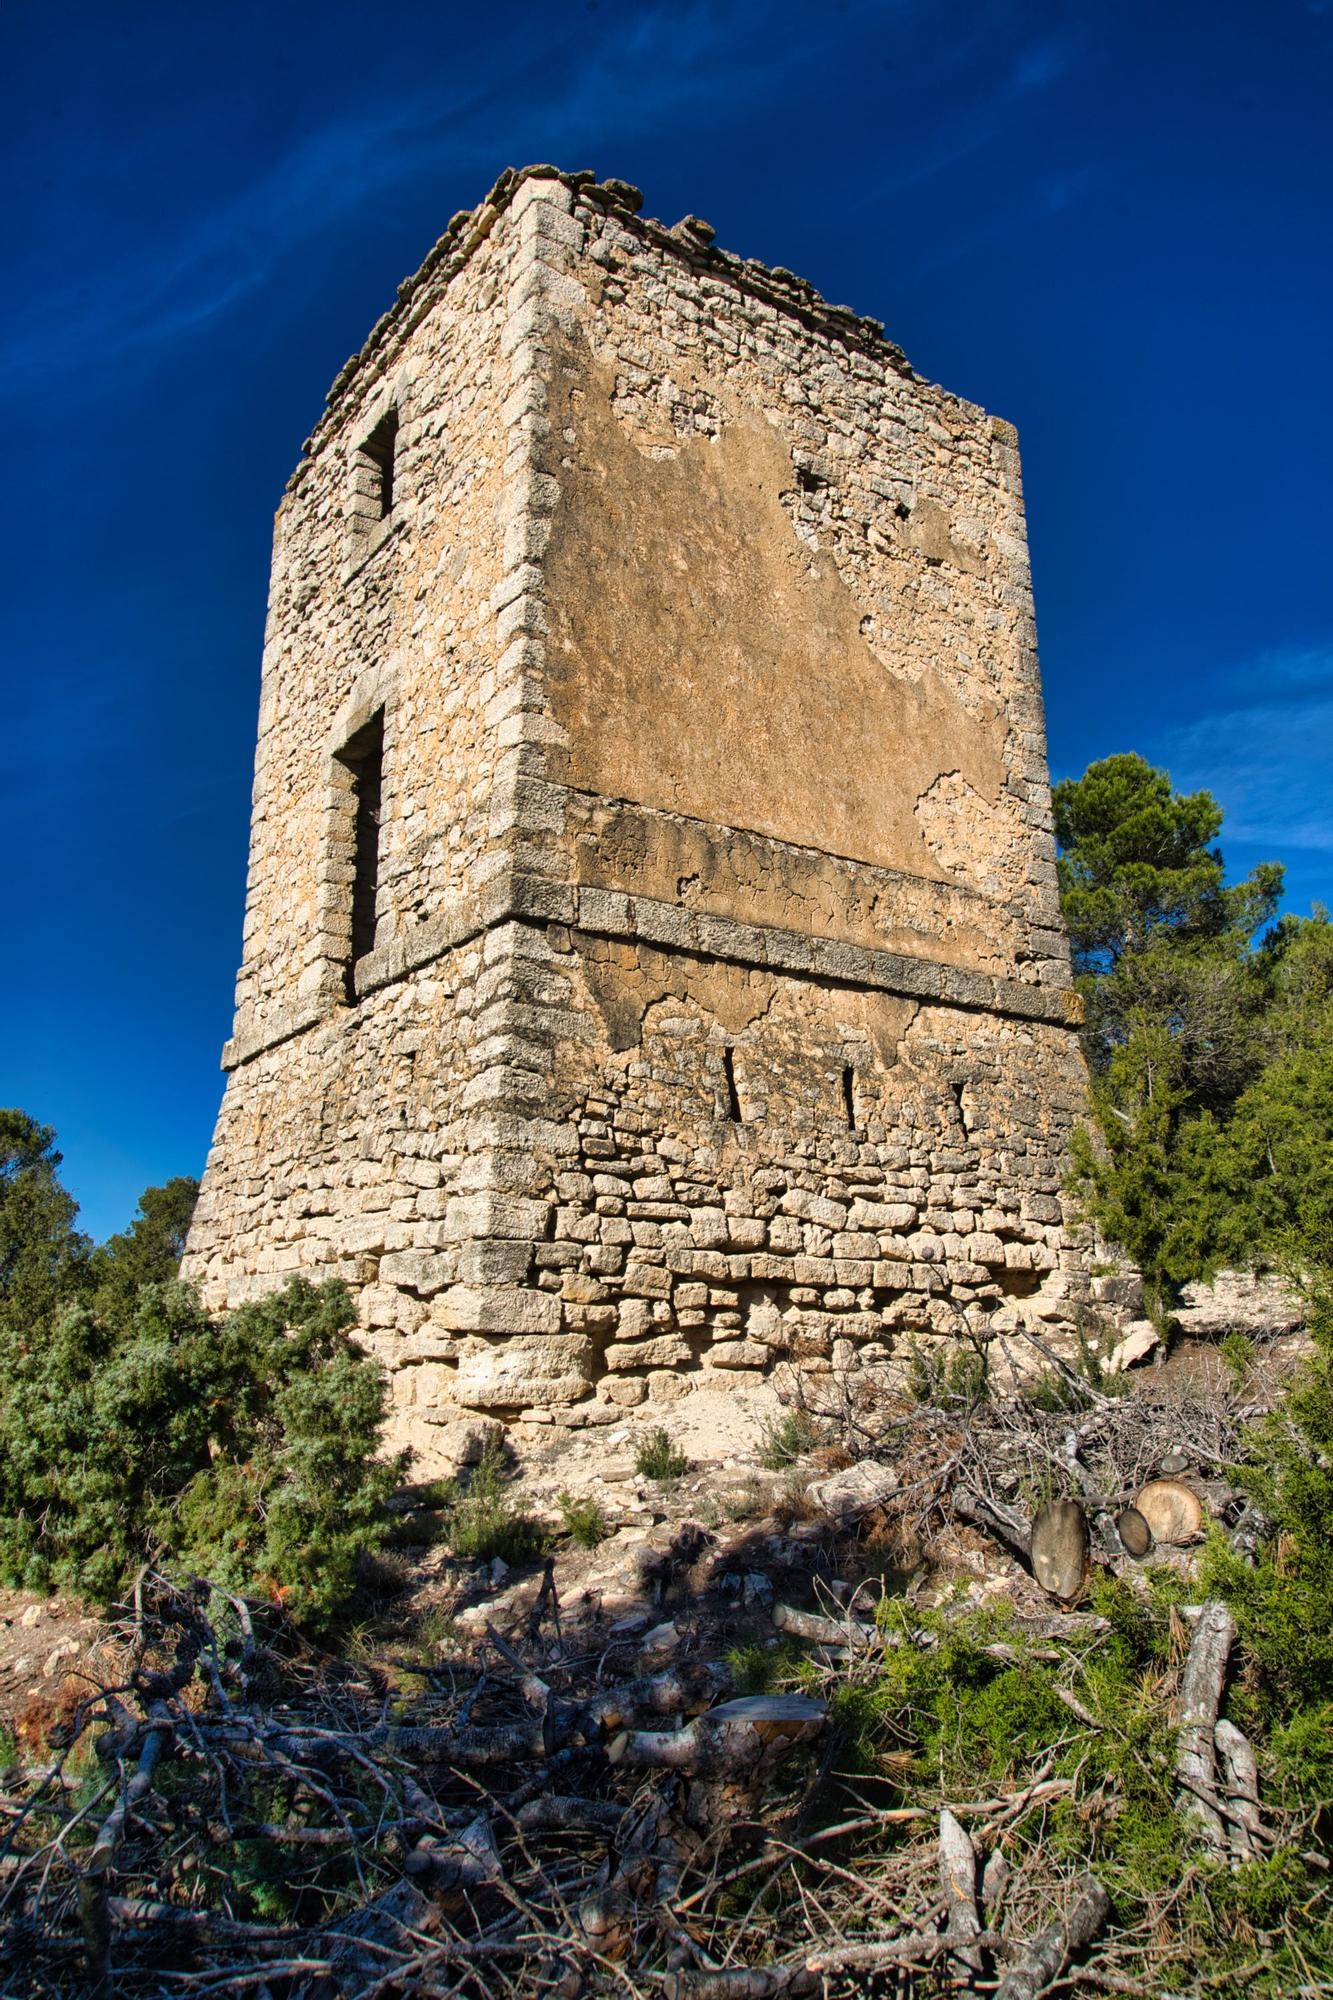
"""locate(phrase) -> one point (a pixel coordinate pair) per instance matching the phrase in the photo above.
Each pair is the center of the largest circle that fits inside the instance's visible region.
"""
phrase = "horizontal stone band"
(644, 920)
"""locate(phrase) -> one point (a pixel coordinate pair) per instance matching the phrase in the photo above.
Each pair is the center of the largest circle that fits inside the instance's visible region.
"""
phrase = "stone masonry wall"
(760, 1168)
(719, 1010)
(321, 1162)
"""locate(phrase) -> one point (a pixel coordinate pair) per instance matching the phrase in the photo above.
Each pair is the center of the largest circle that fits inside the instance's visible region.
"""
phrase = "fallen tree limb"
(958, 1884)
(1240, 1774)
(1047, 1955)
(808, 1975)
(735, 1737)
(686, 1688)
(826, 1631)
(555, 1812)
(1200, 1697)
(1005, 1523)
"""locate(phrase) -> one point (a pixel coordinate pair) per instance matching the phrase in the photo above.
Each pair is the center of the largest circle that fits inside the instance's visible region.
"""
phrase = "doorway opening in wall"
(363, 756)
(849, 1096)
(733, 1098)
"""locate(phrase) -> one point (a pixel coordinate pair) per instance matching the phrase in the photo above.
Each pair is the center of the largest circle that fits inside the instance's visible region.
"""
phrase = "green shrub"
(1238, 1351)
(1283, 1601)
(484, 1522)
(432, 1628)
(657, 1457)
(244, 1451)
(584, 1520)
(941, 1374)
(758, 1669)
(784, 1439)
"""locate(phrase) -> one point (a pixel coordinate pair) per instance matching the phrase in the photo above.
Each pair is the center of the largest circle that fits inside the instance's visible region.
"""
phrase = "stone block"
(494, 1214)
(738, 1354)
(847, 1496)
(668, 1350)
(895, 1215)
(493, 1261)
(422, 1271)
(526, 1372)
(646, 1281)
(498, 1309)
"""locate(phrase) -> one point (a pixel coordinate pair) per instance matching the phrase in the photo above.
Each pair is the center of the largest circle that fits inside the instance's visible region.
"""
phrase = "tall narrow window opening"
(364, 758)
(729, 1071)
(849, 1096)
(380, 449)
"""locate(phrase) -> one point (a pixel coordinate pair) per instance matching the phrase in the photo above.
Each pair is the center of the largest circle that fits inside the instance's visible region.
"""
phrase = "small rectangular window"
(379, 451)
(733, 1095)
(363, 756)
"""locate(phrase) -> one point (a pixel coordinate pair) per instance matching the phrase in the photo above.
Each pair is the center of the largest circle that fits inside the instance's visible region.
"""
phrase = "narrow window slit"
(729, 1071)
(380, 448)
(849, 1096)
(364, 758)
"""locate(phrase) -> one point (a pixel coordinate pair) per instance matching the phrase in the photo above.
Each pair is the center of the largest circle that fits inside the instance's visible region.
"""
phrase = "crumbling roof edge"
(690, 239)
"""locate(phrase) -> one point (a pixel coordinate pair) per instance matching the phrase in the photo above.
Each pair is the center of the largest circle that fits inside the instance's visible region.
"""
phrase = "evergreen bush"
(137, 1431)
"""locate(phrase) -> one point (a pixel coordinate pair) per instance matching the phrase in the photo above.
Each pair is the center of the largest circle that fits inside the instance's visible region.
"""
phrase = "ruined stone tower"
(652, 960)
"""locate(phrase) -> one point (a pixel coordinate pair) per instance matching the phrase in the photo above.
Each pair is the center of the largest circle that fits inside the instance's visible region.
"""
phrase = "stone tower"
(652, 961)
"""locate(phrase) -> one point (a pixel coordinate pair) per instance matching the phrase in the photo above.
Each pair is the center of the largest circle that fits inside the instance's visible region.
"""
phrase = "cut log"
(1060, 1549)
(1045, 1957)
(1134, 1532)
(735, 1737)
(1173, 1511)
(1200, 1697)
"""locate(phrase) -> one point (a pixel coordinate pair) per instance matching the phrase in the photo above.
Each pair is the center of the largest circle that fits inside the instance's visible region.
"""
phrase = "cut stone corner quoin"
(716, 1015)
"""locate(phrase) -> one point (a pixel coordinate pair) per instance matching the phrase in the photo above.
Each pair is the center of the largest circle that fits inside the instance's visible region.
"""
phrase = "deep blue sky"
(1109, 222)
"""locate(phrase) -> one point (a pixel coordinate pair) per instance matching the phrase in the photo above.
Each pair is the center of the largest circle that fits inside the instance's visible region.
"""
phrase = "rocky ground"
(543, 1771)
(766, 1530)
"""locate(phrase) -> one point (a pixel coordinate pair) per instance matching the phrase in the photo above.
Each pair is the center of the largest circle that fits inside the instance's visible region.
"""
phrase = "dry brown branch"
(1240, 1773)
(958, 1882)
(1046, 1957)
(732, 1738)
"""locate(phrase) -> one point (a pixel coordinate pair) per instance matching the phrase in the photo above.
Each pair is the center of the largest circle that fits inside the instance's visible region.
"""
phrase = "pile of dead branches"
(234, 1813)
(231, 1811)
(993, 1458)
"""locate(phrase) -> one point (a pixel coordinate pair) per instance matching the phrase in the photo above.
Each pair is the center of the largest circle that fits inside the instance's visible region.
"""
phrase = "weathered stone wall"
(321, 1162)
(719, 1008)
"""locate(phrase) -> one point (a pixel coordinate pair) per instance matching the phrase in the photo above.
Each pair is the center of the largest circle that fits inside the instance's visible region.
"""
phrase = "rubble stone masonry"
(716, 1009)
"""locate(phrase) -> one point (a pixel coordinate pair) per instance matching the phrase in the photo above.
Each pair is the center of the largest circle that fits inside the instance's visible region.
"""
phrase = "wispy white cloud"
(585, 96)
(180, 284)
(653, 69)
(1266, 751)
